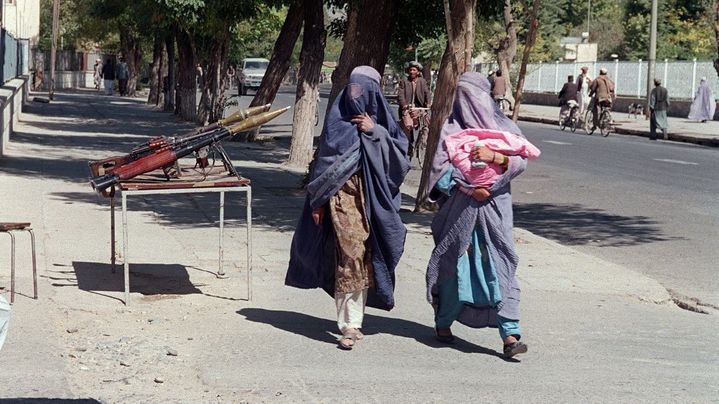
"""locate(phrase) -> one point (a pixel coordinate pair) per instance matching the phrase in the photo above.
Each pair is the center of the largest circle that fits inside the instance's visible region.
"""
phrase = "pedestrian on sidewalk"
(97, 73)
(704, 105)
(123, 75)
(471, 275)
(108, 76)
(583, 83)
(350, 236)
(658, 104)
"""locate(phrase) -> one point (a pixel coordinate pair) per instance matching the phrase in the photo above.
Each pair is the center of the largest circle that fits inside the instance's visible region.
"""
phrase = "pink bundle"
(460, 145)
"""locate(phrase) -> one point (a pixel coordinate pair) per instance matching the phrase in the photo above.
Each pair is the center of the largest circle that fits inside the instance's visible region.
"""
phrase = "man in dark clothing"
(499, 86)
(108, 76)
(568, 92)
(658, 104)
(567, 98)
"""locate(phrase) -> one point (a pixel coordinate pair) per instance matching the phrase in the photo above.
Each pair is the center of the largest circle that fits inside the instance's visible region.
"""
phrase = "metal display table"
(215, 180)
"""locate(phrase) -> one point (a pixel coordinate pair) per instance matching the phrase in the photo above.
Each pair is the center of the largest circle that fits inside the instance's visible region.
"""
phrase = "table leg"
(249, 243)
(12, 267)
(221, 271)
(126, 263)
(112, 233)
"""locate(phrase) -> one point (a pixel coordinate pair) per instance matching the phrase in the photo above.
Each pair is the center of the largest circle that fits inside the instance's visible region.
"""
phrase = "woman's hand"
(479, 194)
(487, 155)
(318, 215)
(364, 122)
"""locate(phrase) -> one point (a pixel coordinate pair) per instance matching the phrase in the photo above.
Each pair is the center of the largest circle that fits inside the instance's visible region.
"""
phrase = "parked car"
(251, 73)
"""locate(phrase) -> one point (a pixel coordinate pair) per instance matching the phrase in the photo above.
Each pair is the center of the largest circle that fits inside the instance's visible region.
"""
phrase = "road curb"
(678, 137)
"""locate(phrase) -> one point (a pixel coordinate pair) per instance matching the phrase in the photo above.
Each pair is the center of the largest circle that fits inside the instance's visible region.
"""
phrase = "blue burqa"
(381, 157)
(462, 219)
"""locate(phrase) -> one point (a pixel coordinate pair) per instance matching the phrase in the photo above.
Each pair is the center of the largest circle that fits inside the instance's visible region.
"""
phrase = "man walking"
(123, 74)
(108, 76)
(583, 83)
(658, 104)
(413, 93)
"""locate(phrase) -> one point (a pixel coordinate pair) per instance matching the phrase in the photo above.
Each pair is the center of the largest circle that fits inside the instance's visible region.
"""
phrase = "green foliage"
(255, 37)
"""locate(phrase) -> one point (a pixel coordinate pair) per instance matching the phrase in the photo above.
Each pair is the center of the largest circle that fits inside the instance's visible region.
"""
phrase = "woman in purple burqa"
(350, 236)
(704, 105)
(471, 272)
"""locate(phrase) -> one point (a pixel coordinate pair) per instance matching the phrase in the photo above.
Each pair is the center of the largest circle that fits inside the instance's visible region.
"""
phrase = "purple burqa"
(703, 106)
(460, 215)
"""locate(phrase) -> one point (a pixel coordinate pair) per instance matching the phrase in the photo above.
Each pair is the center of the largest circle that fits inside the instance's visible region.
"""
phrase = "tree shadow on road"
(577, 225)
(322, 330)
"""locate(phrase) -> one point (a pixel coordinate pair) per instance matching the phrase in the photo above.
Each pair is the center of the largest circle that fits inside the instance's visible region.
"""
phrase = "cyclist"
(602, 93)
(413, 92)
(567, 98)
(499, 86)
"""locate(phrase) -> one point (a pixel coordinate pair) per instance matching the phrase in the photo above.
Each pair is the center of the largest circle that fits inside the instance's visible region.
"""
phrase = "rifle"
(108, 165)
(169, 154)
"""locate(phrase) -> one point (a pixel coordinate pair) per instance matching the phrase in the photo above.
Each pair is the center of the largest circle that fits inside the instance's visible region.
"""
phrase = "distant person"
(498, 86)
(199, 75)
(350, 236)
(567, 96)
(704, 105)
(413, 92)
(602, 92)
(231, 73)
(123, 75)
(108, 76)
(583, 83)
(658, 104)
(97, 73)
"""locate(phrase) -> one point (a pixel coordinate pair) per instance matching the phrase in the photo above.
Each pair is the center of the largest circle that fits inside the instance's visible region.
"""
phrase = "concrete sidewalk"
(597, 332)
(681, 130)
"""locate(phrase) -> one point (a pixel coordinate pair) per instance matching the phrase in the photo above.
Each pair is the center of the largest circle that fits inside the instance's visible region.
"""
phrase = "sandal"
(348, 339)
(514, 348)
(447, 338)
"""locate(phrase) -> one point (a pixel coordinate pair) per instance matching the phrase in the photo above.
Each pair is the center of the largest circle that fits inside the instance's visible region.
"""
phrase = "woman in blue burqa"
(704, 105)
(350, 236)
(471, 272)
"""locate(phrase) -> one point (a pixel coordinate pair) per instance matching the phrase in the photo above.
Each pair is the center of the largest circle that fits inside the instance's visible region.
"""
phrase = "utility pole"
(652, 50)
(53, 50)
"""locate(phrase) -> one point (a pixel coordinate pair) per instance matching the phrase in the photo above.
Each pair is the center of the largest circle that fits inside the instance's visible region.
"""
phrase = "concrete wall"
(65, 79)
(22, 19)
(13, 95)
(677, 108)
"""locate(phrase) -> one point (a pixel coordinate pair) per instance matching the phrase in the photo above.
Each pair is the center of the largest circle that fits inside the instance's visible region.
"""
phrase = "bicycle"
(503, 103)
(606, 122)
(419, 134)
(570, 119)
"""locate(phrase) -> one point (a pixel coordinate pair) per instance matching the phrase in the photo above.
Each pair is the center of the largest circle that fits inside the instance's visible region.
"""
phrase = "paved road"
(651, 206)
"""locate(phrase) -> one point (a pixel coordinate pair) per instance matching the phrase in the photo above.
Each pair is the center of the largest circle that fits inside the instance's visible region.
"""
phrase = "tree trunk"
(130, 48)
(187, 86)
(279, 62)
(156, 71)
(716, 34)
(169, 86)
(507, 49)
(531, 37)
(212, 101)
(308, 81)
(369, 31)
(460, 37)
(53, 50)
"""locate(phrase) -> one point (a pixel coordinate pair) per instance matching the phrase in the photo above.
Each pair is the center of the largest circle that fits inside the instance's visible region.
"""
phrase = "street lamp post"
(651, 65)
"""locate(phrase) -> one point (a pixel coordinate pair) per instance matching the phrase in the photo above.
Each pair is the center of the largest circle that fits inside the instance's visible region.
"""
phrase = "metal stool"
(8, 228)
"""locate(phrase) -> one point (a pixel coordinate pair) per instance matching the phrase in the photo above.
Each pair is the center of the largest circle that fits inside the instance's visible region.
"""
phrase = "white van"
(251, 73)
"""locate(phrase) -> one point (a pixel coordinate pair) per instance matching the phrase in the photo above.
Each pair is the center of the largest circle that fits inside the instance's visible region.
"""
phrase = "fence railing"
(14, 56)
(681, 78)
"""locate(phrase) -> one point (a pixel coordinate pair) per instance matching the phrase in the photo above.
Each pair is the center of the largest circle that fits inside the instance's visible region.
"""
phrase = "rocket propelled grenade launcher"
(108, 165)
(167, 155)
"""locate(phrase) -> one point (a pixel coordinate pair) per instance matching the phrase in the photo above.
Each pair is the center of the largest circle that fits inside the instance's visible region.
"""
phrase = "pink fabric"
(459, 148)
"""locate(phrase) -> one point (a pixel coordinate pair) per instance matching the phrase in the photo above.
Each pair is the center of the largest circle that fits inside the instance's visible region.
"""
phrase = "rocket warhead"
(257, 120)
(243, 114)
